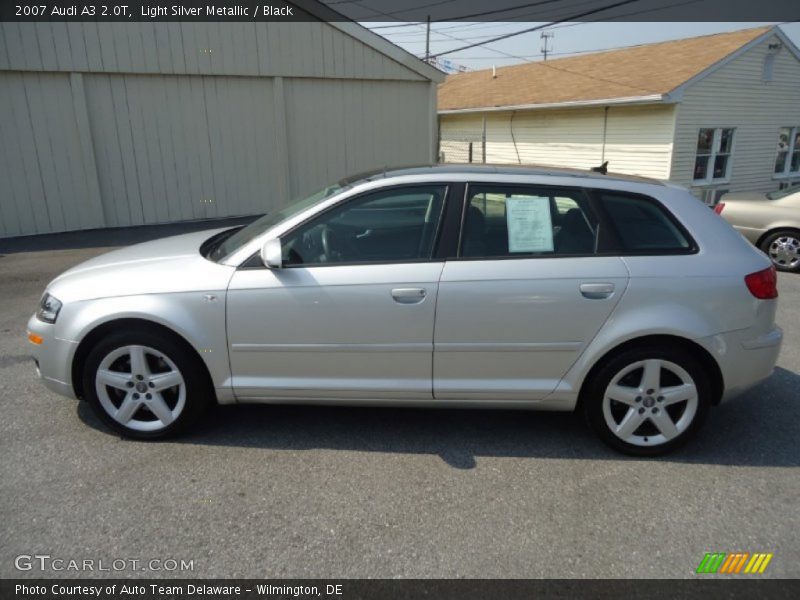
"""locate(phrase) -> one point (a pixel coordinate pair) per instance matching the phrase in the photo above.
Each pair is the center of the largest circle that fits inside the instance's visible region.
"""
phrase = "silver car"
(444, 286)
(769, 221)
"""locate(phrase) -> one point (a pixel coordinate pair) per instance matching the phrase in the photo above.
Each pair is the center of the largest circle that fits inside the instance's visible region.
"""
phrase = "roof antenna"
(602, 169)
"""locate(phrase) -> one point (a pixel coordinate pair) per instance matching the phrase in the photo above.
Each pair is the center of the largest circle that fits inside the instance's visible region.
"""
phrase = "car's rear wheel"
(145, 385)
(783, 248)
(648, 401)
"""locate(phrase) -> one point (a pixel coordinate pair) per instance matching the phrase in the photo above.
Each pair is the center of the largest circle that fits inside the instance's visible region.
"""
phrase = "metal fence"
(462, 147)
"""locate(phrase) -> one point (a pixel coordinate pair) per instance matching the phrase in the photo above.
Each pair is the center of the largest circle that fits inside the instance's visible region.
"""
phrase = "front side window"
(787, 160)
(243, 236)
(395, 225)
(510, 221)
(641, 225)
(714, 155)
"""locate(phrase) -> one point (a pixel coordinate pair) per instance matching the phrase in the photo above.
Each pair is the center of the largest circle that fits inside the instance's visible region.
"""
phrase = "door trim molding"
(409, 347)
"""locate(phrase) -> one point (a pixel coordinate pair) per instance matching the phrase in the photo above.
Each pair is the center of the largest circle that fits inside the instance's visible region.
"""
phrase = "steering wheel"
(333, 244)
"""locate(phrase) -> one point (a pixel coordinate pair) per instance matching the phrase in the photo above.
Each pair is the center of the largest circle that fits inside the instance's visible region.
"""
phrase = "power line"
(574, 52)
(449, 19)
(532, 56)
(490, 49)
(539, 15)
(538, 27)
(489, 23)
(409, 24)
(376, 11)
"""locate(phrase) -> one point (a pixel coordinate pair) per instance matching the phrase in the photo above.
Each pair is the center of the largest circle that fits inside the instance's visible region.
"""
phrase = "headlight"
(48, 309)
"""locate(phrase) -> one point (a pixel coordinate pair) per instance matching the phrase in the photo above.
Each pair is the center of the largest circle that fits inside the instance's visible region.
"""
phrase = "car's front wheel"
(145, 385)
(783, 248)
(648, 401)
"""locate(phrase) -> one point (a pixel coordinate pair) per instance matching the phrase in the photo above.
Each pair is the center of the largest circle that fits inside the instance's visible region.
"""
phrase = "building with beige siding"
(118, 124)
(714, 113)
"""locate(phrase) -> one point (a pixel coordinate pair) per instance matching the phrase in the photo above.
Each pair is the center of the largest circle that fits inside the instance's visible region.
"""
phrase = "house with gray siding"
(119, 124)
(714, 113)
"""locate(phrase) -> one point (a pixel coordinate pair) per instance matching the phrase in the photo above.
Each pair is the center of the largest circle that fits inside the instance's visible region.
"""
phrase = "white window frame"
(712, 157)
(787, 163)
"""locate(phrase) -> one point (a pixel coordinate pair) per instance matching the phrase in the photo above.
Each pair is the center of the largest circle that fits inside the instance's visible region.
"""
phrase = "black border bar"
(400, 11)
(707, 587)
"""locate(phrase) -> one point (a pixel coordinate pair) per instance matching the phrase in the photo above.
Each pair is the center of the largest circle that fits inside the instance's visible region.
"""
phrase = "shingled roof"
(649, 70)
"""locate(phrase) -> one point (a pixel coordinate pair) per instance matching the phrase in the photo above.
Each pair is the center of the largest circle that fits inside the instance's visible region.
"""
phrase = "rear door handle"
(597, 291)
(409, 295)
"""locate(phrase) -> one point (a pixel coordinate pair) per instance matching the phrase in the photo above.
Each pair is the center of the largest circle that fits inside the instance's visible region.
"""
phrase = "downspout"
(513, 139)
(605, 130)
(483, 140)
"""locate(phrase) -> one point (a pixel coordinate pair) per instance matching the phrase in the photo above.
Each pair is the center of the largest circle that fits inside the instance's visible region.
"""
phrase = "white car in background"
(770, 222)
(443, 286)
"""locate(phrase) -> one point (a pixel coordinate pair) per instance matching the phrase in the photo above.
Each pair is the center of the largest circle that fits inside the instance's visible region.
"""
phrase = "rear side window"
(518, 221)
(642, 225)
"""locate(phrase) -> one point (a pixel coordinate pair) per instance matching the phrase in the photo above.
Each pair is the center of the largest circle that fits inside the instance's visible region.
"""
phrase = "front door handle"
(409, 295)
(597, 291)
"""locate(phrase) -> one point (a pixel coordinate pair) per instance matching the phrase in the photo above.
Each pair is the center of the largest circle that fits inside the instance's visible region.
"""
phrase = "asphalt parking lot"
(341, 492)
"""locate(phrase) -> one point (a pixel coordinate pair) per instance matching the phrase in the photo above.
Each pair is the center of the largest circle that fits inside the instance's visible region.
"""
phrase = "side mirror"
(271, 253)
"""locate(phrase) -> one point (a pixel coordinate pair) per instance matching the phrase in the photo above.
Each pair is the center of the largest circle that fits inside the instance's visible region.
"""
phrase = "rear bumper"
(53, 358)
(744, 359)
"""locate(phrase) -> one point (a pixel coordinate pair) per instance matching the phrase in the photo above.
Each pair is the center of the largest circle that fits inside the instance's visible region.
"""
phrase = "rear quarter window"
(641, 224)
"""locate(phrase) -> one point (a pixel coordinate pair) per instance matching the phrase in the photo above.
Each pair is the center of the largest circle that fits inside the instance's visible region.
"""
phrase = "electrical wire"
(458, 18)
(538, 27)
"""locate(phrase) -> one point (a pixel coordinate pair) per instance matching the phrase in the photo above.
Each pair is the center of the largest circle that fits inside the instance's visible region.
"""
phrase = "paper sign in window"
(530, 227)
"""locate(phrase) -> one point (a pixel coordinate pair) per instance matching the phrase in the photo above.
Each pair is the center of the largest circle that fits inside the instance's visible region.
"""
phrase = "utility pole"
(428, 41)
(546, 37)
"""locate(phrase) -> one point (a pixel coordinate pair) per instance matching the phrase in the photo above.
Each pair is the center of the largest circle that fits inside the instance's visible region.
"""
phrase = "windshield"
(268, 221)
(784, 192)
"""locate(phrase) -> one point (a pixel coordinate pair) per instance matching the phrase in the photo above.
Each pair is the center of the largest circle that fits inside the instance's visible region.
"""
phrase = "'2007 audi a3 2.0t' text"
(444, 286)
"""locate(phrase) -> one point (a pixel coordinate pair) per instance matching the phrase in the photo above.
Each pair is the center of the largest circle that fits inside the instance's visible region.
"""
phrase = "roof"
(470, 168)
(646, 72)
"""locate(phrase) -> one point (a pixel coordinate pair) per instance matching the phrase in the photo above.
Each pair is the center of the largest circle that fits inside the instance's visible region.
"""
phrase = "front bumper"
(53, 357)
(744, 359)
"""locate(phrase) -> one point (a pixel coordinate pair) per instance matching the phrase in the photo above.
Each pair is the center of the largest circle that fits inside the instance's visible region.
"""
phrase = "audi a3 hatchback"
(440, 286)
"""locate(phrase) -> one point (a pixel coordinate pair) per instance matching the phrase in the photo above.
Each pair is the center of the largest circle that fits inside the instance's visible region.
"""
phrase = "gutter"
(652, 99)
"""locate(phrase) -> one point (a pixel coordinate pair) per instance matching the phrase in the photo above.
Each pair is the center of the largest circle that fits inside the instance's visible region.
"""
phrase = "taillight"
(763, 284)
(718, 208)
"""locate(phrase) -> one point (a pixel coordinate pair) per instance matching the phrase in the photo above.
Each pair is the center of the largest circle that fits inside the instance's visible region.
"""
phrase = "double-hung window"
(787, 160)
(714, 155)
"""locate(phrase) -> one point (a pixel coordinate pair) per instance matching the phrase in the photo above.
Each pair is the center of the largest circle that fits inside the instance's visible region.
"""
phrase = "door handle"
(597, 291)
(409, 295)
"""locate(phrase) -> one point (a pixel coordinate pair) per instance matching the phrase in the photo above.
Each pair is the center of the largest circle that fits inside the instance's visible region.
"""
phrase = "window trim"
(709, 179)
(254, 261)
(618, 250)
(787, 173)
(768, 67)
(528, 256)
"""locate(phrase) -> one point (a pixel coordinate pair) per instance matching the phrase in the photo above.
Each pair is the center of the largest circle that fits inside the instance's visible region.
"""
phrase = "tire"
(648, 400)
(165, 392)
(783, 248)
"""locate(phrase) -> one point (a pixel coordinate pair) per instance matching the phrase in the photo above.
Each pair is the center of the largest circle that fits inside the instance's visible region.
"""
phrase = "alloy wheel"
(785, 251)
(140, 388)
(650, 402)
